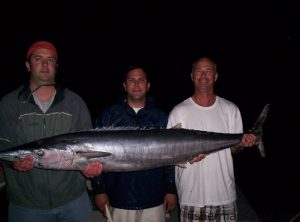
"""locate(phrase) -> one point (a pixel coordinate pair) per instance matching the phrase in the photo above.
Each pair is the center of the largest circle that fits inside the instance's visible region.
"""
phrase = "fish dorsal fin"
(118, 128)
(94, 154)
(177, 126)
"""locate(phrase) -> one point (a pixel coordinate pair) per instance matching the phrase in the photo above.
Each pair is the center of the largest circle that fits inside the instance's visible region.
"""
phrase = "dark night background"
(255, 45)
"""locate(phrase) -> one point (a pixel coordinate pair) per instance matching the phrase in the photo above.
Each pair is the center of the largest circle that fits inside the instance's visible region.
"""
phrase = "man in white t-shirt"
(206, 188)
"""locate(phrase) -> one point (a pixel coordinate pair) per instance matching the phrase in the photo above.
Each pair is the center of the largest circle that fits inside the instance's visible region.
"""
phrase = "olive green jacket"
(22, 121)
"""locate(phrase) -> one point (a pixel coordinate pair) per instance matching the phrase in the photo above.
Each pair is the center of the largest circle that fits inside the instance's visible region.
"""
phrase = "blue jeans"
(78, 210)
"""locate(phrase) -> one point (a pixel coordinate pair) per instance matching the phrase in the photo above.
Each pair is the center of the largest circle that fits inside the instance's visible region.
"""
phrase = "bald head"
(207, 60)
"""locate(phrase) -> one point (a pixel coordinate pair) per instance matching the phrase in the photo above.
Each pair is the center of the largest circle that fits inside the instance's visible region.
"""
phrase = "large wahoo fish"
(127, 149)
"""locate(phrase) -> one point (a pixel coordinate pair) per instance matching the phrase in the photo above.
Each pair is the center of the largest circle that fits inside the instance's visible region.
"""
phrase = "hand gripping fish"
(128, 149)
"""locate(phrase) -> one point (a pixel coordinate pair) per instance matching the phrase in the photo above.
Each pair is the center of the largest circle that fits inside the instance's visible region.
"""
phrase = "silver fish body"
(125, 149)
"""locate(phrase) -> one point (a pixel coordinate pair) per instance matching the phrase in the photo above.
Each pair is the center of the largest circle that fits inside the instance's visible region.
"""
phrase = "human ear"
(192, 77)
(124, 85)
(27, 66)
(216, 77)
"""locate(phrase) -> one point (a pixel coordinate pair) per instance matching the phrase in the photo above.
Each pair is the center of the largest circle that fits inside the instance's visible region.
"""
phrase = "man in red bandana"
(41, 108)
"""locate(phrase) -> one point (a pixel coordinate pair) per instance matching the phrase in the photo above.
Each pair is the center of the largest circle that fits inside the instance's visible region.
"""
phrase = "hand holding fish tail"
(170, 201)
(101, 200)
(24, 164)
(92, 170)
(197, 158)
(248, 140)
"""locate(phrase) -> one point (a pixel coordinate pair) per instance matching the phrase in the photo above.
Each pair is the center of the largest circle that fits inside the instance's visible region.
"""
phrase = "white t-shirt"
(210, 181)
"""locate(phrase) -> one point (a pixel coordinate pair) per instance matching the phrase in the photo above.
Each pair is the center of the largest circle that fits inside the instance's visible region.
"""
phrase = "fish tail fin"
(257, 129)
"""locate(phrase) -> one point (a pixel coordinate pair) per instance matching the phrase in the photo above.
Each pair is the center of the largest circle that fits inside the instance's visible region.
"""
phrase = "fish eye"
(40, 152)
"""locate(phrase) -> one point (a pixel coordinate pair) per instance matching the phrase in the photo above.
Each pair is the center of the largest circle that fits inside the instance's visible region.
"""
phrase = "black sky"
(255, 45)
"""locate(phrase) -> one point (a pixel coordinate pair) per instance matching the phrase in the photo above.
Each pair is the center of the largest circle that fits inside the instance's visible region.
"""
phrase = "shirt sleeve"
(169, 175)
(83, 121)
(7, 135)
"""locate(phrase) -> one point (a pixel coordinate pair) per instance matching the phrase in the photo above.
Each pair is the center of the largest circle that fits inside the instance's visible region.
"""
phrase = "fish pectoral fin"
(181, 165)
(94, 154)
(177, 126)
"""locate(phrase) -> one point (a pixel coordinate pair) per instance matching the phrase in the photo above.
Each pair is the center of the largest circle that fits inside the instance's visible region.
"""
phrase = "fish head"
(52, 158)
(43, 157)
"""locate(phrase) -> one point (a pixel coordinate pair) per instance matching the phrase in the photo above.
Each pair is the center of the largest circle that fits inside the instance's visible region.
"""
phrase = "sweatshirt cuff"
(171, 188)
(99, 189)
